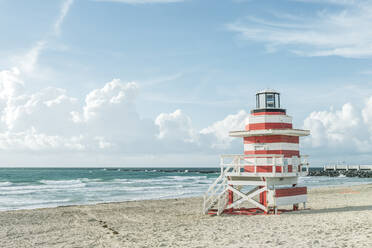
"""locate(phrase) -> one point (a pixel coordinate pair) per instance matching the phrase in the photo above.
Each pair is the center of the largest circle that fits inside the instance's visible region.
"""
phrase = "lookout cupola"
(269, 166)
(267, 100)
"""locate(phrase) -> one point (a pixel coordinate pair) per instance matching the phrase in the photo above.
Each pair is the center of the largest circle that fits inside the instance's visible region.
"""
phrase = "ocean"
(29, 188)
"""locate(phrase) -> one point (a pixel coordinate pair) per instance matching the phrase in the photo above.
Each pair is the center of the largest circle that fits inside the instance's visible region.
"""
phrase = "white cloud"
(102, 143)
(22, 111)
(66, 5)
(29, 121)
(105, 122)
(31, 140)
(50, 119)
(141, 1)
(177, 134)
(332, 127)
(344, 32)
(337, 2)
(35, 121)
(27, 63)
(175, 126)
(340, 132)
(10, 83)
(219, 131)
(19, 110)
(367, 113)
(110, 114)
(113, 94)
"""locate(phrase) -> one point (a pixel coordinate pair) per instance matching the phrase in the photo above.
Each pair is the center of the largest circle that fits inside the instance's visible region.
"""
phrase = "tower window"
(270, 101)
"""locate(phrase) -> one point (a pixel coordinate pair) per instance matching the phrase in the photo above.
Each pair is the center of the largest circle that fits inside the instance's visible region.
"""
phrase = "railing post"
(240, 163)
(255, 165)
(295, 168)
(221, 163)
(281, 164)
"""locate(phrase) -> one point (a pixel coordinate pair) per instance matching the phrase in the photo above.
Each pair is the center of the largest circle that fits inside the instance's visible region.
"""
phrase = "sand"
(339, 217)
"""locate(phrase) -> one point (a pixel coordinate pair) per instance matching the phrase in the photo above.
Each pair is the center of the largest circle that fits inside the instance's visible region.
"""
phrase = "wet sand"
(338, 217)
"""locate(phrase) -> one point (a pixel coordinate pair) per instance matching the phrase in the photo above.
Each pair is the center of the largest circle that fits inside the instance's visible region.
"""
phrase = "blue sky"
(156, 82)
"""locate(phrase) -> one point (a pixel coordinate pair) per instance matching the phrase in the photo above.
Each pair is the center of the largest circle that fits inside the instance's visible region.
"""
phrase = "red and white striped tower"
(270, 131)
(271, 162)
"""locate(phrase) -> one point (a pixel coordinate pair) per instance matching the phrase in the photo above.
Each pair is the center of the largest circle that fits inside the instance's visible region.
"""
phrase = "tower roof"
(268, 91)
(264, 132)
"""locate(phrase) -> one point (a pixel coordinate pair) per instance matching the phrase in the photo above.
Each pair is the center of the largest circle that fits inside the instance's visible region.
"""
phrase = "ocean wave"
(185, 178)
(2, 184)
(152, 180)
(181, 170)
(30, 201)
(114, 186)
(40, 187)
(61, 182)
(122, 180)
(147, 188)
(88, 180)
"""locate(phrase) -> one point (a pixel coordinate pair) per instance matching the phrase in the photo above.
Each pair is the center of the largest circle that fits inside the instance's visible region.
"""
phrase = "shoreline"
(310, 189)
(338, 217)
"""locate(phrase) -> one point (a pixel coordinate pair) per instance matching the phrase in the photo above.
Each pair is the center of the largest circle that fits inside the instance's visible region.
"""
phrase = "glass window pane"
(270, 100)
(261, 101)
(277, 103)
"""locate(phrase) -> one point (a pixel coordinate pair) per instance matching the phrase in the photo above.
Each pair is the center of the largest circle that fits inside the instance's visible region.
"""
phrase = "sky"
(162, 82)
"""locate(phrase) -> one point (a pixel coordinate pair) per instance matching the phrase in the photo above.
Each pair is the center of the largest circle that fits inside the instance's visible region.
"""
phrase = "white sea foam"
(21, 203)
(84, 190)
(123, 180)
(184, 178)
(61, 182)
(2, 184)
(147, 188)
(90, 179)
(41, 187)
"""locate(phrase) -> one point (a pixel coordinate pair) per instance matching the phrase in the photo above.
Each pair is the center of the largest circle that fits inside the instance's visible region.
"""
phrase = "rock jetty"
(336, 173)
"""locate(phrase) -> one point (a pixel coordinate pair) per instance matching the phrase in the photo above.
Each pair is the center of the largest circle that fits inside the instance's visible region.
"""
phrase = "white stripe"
(254, 119)
(271, 146)
(290, 132)
(265, 161)
(289, 200)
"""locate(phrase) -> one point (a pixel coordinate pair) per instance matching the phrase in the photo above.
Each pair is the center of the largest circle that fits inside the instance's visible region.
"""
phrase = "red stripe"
(286, 153)
(259, 126)
(268, 113)
(272, 139)
(265, 168)
(291, 191)
(263, 197)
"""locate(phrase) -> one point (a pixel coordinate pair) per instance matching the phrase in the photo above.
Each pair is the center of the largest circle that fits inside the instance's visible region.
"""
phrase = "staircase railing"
(217, 192)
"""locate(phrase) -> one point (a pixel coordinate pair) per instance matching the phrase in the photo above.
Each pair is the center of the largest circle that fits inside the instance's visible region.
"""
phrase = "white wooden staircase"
(233, 178)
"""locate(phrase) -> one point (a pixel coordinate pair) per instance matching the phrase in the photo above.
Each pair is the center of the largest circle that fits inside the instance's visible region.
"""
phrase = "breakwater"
(337, 173)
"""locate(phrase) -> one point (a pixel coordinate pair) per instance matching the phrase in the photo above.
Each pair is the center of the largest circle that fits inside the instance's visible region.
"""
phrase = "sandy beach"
(338, 217)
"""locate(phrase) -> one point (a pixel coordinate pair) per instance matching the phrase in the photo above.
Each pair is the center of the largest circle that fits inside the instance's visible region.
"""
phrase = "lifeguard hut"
(266, 175)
